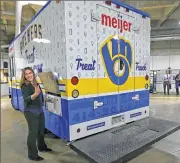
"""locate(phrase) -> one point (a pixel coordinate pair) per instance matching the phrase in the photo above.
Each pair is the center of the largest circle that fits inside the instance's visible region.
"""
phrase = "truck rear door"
(126, 38)
(116, 63)
(107, 49)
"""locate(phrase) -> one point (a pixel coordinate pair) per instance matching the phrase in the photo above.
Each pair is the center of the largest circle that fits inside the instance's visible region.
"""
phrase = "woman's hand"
(37, 90)
(36, 93)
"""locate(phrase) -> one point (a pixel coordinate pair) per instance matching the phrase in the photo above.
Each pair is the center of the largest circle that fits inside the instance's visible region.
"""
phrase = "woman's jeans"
(36, 126)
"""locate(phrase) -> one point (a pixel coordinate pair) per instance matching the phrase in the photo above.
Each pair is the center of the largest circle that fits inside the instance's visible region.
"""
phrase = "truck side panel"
(99, 45)
(49, 55)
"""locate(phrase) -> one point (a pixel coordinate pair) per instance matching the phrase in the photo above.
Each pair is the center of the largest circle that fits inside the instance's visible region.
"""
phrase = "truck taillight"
(78, 130)
(74, 80)
(108, 2)
(146, 77)
(75, 93)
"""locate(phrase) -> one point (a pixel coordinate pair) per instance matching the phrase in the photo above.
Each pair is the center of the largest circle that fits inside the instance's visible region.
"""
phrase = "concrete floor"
(14, 133)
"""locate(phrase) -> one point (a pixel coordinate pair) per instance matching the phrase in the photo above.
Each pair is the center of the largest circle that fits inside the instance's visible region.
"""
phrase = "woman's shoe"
(45, 150)
(37, 159)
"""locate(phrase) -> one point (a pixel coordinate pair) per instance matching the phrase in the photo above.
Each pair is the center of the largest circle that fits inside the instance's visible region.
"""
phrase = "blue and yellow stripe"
(96, 86)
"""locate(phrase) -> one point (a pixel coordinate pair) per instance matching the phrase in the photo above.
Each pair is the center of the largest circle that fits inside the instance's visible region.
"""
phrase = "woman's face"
(29, 75)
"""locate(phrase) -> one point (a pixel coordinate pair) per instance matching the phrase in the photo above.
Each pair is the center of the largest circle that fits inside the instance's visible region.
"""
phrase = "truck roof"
(113, 1)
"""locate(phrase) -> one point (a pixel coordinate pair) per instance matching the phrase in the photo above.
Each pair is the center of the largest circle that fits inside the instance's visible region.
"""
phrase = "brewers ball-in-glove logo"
(117, 55)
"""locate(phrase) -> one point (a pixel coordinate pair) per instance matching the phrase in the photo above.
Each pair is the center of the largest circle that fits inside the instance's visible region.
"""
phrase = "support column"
(19, 5)
(18, 16)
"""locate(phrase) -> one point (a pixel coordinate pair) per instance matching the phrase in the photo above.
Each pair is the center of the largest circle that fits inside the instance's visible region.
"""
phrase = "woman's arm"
(33, 96)
(36, 93)
(25, 93)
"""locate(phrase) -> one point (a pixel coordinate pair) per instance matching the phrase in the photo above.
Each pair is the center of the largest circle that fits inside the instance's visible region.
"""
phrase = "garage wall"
(165, 54)
(4, 85)
(4, 60)
(163, 62)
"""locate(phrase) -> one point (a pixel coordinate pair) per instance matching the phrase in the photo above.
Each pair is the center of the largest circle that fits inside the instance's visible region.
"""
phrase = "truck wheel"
(55, 137)
(46, 131)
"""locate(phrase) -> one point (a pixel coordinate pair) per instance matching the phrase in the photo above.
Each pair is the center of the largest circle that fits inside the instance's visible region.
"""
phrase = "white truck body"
(106, 46)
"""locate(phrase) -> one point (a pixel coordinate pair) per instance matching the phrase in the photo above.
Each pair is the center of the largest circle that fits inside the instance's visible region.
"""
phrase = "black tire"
(46, 131)
(55, 137)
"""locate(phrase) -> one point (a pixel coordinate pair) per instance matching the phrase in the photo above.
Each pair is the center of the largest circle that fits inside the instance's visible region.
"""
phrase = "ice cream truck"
(91, 59)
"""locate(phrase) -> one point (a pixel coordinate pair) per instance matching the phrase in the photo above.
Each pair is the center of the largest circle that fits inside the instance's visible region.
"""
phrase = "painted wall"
(4, 89)
(164, 61)
(165, 54)
(4, 86)
(4, 60)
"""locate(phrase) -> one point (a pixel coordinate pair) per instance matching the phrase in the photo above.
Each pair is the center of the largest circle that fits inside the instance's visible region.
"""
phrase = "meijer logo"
(117, 56)
(113, 22)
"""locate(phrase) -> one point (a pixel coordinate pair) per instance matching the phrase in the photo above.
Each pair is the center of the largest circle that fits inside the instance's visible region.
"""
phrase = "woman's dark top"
(34, 106)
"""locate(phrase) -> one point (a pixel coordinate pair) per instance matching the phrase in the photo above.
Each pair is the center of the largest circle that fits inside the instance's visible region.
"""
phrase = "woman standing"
(34, 115)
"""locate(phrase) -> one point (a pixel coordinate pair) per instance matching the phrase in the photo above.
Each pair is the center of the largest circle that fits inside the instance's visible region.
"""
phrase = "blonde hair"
(24, 80)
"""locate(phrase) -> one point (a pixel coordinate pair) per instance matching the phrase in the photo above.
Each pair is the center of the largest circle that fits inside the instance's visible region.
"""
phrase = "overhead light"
(42, 40)
(33, 2)
(179, 22)
(4, 46)
(165, 38)
(38, 2)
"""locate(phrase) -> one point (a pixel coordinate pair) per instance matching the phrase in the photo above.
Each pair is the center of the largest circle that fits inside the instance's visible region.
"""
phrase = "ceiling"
(165, 17)
(8, 19)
